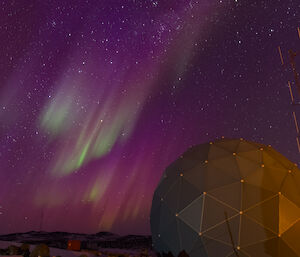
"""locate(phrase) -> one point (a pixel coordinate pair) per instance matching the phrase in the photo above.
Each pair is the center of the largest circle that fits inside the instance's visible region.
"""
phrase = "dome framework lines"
(227, 197)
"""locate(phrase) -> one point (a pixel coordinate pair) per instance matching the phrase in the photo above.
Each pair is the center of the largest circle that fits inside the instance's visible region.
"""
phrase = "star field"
(97, 98)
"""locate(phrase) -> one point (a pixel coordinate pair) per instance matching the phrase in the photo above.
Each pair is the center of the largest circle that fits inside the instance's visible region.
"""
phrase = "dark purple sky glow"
(97, 98)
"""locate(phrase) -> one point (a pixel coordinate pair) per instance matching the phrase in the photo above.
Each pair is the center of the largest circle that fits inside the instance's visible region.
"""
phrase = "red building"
(74, 245)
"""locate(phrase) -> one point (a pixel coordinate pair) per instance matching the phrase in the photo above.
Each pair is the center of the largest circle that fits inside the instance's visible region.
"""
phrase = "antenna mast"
(231, 237)
(292, 57)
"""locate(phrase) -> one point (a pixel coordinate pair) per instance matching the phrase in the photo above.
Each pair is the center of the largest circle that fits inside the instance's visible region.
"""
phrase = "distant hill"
(88, 241)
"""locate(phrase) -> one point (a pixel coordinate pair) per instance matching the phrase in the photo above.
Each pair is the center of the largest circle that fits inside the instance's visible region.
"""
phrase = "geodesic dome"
(228, 198)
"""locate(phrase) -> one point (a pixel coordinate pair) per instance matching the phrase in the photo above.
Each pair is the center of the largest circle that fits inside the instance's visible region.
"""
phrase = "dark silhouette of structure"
(74, 245)
(231, 197)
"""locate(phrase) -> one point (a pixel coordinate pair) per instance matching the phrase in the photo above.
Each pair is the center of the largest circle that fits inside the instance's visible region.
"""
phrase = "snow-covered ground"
(67, 253)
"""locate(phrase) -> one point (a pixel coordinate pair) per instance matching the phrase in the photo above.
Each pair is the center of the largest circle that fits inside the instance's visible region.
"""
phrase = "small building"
(74, 245)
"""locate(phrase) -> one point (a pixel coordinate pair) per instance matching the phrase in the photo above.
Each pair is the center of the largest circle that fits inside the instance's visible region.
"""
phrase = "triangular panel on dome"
(166, 215)
(277, 176)
(269, 161)
(291, 187)
(216, 152)
(171, 198)
(266, 213)
(262, 177)
(215, 212)
(188, 236)
(226, 232)
(195, 176)
(188, 194)
(246, 166)
(265, 248)
(251, 232)
(245, 146)
(192, 215)
(215, 177)
(165, 186)
(199, 153)
(228, 144)
(159, 243)
(252, 195)
(198, 249)
(285, 162)
(253, 156)
(180, 165)
(156, 203)
(274, 247)
(207, 177)
(291, 237)
(257, 145)
(240, 254)
(228, 166)
(170, 234)
(229, 194)
(289, 213)
(284, 250)
(215, 248)
(155, 212)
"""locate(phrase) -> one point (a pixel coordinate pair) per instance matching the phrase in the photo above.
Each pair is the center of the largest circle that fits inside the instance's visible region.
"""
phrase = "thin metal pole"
(280, 54)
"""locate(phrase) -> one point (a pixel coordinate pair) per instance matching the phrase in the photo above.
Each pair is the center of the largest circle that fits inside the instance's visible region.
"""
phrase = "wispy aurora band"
(111, 109)
(107, 124)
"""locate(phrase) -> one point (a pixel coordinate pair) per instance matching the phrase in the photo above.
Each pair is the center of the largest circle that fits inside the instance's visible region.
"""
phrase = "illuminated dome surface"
(228, 198)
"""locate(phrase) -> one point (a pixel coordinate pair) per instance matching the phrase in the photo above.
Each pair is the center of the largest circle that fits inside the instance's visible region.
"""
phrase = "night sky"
(97, 98)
